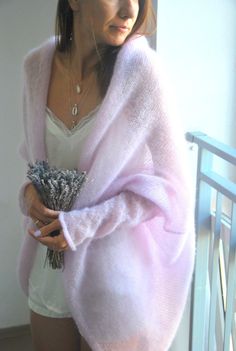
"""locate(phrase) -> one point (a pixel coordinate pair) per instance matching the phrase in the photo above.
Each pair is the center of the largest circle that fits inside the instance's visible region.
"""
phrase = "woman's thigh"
(56, 334)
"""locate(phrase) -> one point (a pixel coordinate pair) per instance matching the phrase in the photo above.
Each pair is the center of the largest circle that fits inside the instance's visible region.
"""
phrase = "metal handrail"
(208, 311)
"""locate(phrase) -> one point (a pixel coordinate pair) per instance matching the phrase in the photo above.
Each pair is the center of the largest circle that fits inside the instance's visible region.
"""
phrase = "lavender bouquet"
(57, 189)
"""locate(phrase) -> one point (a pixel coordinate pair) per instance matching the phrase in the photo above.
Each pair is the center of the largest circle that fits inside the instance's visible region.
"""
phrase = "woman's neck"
(85, 53)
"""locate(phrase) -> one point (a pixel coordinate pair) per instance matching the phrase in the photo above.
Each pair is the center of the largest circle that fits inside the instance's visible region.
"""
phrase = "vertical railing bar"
(200, 292)
(231, 280)
(215, 272)
(211, 246)
(220, 317)
(223, 280)
(225, 246)
(193, 287)
(203, 225)
(234, 333)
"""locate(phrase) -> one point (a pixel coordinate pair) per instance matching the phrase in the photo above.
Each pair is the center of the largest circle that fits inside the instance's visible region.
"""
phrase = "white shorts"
(46, 290)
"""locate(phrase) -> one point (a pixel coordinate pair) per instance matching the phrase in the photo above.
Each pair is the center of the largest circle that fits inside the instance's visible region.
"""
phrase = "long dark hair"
(144, 25)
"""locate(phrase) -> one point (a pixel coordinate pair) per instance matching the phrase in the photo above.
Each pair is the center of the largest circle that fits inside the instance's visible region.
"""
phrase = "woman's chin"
(116, 39)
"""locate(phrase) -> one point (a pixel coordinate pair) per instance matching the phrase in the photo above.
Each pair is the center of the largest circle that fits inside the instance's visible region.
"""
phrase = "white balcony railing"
(214, 285)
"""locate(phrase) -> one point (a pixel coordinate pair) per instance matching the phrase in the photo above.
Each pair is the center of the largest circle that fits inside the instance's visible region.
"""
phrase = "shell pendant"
(75, 110)
(78, 89)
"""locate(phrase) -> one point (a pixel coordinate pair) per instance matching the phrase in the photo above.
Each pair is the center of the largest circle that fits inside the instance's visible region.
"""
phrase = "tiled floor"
(22, 343)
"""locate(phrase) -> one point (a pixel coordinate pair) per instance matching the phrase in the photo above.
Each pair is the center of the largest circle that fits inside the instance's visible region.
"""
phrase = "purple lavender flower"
(58, 189)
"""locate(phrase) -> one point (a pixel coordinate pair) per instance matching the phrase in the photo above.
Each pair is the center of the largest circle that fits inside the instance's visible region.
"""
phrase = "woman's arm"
(102, 219)
(97, 221)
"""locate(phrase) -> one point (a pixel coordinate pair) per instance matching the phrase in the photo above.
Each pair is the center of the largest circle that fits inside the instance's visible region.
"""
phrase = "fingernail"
(37, 233)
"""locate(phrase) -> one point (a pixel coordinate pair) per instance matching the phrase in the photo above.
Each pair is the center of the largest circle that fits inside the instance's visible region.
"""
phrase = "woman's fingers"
(36, 209)
(46, 230)
(43, 214)
(46, 212)
(56, 243)
(45, 219)
(38, 223)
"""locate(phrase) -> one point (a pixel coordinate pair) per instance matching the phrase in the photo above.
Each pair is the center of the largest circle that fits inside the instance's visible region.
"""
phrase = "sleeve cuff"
(66, 233)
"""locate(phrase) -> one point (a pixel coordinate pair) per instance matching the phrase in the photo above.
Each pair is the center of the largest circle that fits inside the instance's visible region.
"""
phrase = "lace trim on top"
(62, 125)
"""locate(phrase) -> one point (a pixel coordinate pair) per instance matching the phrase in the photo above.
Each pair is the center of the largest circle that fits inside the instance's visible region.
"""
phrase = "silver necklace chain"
(72, 89)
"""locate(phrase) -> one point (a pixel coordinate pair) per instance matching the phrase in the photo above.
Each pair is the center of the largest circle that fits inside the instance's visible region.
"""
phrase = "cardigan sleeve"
(24, 154)
(126, 208)
(23, 149)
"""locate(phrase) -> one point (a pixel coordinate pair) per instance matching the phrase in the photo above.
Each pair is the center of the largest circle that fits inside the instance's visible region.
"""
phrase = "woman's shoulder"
(138, 57)
(139, 64)
(35, 56)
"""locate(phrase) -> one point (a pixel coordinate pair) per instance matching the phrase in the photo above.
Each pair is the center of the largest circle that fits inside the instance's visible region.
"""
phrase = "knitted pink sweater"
(131, 232)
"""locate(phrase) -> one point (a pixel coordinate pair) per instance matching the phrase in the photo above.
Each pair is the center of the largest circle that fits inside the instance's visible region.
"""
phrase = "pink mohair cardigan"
(131, 231)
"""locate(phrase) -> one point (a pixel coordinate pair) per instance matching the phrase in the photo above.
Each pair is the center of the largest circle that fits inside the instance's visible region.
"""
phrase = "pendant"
(75, 110)
(78, 89)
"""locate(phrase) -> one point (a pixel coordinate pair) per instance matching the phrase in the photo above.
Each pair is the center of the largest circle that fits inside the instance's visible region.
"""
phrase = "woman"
(96, 101)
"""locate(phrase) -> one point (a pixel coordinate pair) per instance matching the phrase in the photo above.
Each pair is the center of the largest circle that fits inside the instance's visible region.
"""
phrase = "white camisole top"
(46, 290)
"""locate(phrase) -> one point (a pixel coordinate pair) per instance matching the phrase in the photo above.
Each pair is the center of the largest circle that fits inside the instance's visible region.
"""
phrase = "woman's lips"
(121, 29)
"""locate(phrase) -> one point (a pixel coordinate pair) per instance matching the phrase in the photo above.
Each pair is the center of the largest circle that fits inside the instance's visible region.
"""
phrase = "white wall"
(197, 40)
(23, 25)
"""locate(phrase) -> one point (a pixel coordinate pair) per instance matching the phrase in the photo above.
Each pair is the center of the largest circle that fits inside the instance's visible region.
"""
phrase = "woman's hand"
(39, 213)
(45, 219)
(56, 243)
